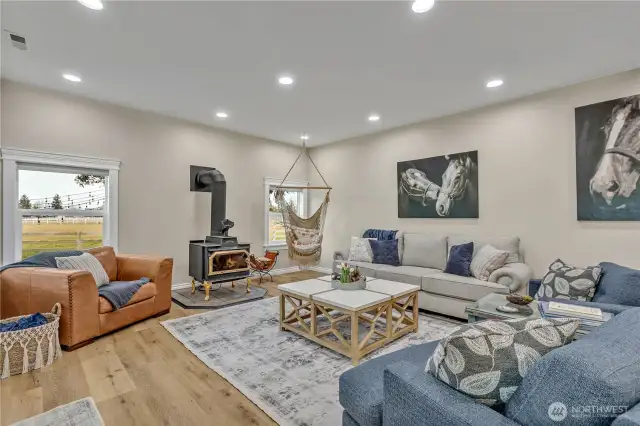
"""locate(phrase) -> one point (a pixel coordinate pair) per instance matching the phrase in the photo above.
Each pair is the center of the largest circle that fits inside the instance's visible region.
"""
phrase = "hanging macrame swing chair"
(304, 236)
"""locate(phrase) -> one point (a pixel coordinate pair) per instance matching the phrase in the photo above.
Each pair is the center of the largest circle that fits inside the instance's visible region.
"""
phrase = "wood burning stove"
(218, 258)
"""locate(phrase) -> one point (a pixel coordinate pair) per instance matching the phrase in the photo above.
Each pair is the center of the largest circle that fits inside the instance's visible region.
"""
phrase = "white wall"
(158, 214)
(526, 152)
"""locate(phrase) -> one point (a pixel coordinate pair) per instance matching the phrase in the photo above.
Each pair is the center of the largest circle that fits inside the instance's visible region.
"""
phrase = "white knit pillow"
(85, 262)
(487, 260)
(360, 250)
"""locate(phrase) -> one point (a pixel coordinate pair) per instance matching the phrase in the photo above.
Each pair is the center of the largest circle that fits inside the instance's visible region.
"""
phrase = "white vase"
(361, 284)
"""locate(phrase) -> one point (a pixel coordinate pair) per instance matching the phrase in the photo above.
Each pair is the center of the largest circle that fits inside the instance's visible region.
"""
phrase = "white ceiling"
(188, 59)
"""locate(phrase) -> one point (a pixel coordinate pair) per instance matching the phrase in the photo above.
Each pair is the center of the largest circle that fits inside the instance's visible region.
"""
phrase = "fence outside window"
(77, 230)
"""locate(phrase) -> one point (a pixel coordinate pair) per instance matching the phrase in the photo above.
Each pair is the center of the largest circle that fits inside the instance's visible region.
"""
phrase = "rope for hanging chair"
(303, 235)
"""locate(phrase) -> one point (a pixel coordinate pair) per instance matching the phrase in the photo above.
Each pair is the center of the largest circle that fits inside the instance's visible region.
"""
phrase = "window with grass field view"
(275, 230)
(60, 210)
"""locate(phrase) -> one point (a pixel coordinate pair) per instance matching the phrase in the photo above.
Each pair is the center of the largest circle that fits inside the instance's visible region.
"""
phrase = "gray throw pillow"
(487, 360)
(85, 262)
(425, 250)
(564, 281)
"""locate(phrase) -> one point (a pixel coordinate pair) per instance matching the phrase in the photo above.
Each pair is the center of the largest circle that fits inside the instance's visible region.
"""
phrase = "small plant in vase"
(348, 278)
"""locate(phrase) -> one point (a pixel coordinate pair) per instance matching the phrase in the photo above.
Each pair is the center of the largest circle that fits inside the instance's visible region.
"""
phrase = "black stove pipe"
(213, 181)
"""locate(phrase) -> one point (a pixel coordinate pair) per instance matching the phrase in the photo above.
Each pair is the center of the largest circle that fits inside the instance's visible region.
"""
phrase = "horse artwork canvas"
(439, 187)
(608, 160)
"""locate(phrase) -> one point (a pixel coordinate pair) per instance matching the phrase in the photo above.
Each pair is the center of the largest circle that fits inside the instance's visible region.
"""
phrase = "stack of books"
(590, 318)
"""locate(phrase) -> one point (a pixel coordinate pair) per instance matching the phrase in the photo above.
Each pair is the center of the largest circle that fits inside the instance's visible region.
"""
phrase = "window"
(274, 227)
(60, 209)
(57, 202)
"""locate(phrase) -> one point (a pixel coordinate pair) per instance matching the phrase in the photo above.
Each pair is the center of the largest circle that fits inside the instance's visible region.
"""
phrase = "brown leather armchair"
(85, 315)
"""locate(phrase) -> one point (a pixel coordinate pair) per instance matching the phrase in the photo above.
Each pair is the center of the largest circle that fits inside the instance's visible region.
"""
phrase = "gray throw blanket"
(46, 259)
(118, 293)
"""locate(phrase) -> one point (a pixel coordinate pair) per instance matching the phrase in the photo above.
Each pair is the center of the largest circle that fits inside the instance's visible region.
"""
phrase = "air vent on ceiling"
(17, 41)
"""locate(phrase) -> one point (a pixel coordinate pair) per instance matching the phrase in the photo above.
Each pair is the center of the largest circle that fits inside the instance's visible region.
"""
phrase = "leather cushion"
(107, 257)
(145, 292)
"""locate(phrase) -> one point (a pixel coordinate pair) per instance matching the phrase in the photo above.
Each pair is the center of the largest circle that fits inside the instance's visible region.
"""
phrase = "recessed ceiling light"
(72, 77)
(92, 4)
(304, 137)
(495, 83)
(374, 117)
(222, 114)
(285, 80)
(422, 6)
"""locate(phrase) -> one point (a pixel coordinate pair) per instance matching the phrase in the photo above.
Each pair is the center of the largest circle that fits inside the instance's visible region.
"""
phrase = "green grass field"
(276, 229)
(57, 236)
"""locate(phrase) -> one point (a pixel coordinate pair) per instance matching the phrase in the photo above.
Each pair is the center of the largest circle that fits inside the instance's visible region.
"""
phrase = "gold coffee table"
(383, 312)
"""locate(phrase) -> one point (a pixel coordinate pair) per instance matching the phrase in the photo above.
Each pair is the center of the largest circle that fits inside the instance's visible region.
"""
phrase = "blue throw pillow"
(380, 234)
(618, 285)
(459, 262)
(385, 252)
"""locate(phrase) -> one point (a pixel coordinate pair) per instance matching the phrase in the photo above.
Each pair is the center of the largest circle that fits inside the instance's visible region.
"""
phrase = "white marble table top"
(392, 288)
(352, 300)
(306, 288)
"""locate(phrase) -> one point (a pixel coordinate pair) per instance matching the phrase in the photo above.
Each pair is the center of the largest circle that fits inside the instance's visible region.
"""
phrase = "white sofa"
(423, 258)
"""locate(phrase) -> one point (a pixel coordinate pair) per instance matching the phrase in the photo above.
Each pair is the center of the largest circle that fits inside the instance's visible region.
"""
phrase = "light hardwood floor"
(140, 375)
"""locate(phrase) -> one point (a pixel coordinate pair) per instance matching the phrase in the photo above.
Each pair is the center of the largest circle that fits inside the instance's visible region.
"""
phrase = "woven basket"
(25, 350)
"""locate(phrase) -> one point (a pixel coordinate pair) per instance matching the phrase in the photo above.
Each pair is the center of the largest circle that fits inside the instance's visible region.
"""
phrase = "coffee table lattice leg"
(407, 316)
(296, 315)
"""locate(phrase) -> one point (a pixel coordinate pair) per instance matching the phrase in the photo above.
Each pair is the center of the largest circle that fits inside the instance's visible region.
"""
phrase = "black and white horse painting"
(444, 186)
(608, 160)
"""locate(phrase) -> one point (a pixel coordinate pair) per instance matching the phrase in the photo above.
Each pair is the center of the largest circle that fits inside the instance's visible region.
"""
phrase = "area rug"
(82, 412)
(292, 379)
(221, 295)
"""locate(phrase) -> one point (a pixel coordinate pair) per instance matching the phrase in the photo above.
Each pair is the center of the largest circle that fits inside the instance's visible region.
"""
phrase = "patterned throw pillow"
(360, 250)
(85, 262)
(487, 360)
(564, 281)
(487, 260)
(305, 236)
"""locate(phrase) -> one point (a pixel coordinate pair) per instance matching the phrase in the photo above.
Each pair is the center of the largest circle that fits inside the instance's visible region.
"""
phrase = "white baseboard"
(278, 271)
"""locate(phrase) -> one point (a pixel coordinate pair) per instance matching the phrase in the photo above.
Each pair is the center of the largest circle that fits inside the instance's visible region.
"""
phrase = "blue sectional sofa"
(600, 370)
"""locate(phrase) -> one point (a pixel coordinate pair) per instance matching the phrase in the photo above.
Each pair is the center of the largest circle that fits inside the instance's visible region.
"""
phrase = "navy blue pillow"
(619, 285)
(459, 262)
(385, 252)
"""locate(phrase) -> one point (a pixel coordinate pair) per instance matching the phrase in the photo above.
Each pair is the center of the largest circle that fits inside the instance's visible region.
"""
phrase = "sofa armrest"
(413, 397)
(605, 307)
(630, 418)
(30, 290)
(157, 269)
(515, 276)
(341, 255)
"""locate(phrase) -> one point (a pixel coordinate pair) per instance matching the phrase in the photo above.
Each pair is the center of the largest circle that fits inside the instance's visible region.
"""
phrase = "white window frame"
(268, 184)
(14, 159)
